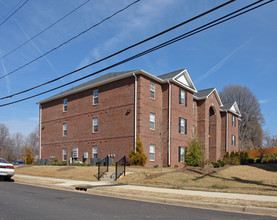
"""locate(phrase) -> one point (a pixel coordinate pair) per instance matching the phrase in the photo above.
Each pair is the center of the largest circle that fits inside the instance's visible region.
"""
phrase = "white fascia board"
(188, 78)
(182, 85)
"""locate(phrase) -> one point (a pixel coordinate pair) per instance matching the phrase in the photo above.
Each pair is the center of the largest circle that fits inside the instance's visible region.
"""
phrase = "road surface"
(22, 202)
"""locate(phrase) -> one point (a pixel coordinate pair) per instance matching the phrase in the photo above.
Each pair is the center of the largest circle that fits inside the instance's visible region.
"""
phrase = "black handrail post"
(98, 171)
(107, 163)
(115, 171)
(124, 164)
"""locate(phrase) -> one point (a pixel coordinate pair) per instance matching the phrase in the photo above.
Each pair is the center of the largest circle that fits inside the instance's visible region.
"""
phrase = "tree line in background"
(14, 146)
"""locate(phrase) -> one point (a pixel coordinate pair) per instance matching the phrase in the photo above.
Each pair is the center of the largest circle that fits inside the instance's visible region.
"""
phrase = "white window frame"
(152, 152)
(95, 125)
(193, 131)
(233, 121)
(64, 154)
(233, 140)
(95, 96)
(181, 125)
(152, 90)
(94, 151)
(181, 96)
(152, 121)
(64, 129)
(65, 105)
(181, 154)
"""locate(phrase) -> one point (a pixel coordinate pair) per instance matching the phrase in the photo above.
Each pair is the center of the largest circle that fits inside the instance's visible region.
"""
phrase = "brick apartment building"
(102, 117)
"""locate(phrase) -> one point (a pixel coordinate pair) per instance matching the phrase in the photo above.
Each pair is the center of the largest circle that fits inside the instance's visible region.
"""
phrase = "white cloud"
(130, 24)
(263, 101)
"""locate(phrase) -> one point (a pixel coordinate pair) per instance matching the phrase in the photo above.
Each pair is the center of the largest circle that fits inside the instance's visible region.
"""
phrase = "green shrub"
(234, 158)
(138, 157)
(244, 158)
(156, 166)
(219, 163)
(176, 166)
(195, 156)
(226, 158)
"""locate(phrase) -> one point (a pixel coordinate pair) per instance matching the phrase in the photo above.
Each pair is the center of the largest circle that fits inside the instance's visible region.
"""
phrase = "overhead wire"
(174, 40)
(66, 42)
(56, 22)
(13, 13)
(125, 49)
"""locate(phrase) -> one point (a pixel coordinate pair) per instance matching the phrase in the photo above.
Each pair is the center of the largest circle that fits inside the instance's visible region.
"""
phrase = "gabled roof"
(231, 107)
(204, 94)
(180, 77)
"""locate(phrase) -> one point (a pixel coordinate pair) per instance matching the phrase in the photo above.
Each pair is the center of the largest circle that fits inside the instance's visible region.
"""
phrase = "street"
(20, 201)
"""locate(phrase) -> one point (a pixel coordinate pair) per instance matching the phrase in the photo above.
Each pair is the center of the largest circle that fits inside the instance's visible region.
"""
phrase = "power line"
(13, 12)
(66, 42)
(32, 38)
(121, 51)
(174, 40)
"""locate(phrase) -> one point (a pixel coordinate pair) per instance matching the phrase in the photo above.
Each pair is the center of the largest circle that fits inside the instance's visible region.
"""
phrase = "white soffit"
(184, 79)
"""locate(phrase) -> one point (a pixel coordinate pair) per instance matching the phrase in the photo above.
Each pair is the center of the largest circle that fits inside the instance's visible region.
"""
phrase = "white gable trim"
(183, 78)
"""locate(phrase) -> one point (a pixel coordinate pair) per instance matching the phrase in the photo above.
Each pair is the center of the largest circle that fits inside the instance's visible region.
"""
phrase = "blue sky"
(242, 51)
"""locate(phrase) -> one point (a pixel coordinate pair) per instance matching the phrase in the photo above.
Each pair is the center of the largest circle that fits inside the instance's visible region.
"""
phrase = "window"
(95, 125)
(152, 152)
(182, 126)
(193, 108)
(152, 90)
(181, 154)
(65, 105)
(181, 96)
(94, 152)
(64, 154)
(152, 121)
(64, 129)
(233, 140)
(233, 121)
(95, 97)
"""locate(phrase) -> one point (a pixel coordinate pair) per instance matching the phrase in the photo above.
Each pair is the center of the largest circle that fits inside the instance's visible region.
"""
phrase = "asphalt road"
(18, 201)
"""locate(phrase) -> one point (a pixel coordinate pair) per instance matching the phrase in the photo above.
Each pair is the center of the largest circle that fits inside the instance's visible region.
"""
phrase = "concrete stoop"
(108, 176)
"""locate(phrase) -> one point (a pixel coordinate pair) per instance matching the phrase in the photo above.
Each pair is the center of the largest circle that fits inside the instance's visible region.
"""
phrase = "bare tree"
(4, 138)
(19, 143)
(270, 141)
(250, 126)
(32, 141)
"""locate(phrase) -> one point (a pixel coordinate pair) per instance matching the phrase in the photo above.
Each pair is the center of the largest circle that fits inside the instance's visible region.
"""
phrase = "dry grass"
(259, 179)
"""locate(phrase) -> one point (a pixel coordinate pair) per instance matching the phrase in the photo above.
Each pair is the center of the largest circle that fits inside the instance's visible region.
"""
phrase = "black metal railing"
(103, 167)
(120, 167)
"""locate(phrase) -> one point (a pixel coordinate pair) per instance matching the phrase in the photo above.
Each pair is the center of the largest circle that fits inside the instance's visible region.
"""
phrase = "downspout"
(226, 131)
(169, 113)
(40, 115)
(135, 113)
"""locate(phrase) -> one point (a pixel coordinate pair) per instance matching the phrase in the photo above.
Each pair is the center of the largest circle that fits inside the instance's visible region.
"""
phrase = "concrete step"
(108, 176)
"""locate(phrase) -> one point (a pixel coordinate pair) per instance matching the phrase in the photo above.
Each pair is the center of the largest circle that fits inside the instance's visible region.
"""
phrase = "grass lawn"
(250, 179)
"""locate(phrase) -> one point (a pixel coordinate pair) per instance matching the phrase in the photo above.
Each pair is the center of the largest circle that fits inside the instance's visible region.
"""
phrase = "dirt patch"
(65, 169)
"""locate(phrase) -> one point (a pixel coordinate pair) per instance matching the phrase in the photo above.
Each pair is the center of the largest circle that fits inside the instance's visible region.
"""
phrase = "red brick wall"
(115, 136)
(182, 111)
(147, 105)
(212, 152)
(233, 130)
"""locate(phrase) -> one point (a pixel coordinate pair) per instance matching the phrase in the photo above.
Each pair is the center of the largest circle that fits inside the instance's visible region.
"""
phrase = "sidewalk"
(67, 182)
(126, 189)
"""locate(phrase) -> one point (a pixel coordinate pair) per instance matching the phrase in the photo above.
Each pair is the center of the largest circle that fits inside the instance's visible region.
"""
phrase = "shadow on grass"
(272, 167)
(236, 179)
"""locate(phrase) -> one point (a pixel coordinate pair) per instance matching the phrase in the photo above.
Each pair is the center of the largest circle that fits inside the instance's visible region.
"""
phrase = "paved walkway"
(67, 182)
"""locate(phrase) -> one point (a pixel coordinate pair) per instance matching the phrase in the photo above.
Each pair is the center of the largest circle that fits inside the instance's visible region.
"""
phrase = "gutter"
(169, 114)
(40, 127)
(226, 131)
(135, 113)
